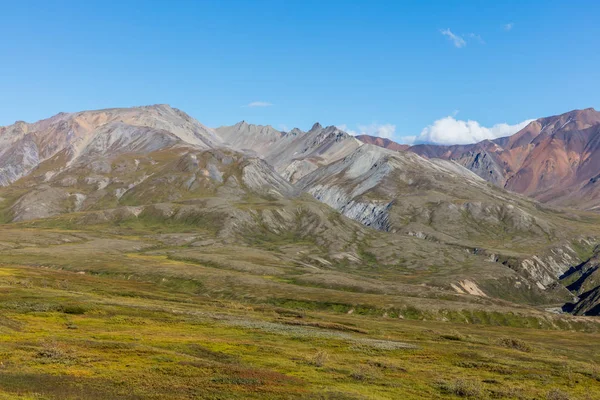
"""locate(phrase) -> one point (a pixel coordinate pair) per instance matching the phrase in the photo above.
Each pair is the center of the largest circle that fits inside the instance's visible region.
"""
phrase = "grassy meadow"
(133, 313)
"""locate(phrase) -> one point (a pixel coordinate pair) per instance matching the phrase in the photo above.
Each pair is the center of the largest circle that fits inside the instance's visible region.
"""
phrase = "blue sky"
(442, 71)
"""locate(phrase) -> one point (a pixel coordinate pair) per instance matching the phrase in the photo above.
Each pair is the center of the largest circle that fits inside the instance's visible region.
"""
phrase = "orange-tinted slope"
(382, 142)
(554, 159)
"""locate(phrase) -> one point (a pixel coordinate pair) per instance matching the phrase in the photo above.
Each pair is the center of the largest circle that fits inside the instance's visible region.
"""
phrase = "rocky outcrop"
(588, 304)
(547, 268)
(259, 177)
(373, 214)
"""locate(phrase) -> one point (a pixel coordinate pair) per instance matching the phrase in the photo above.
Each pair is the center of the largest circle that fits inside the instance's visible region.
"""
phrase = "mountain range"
(554, 160)
(508, 220)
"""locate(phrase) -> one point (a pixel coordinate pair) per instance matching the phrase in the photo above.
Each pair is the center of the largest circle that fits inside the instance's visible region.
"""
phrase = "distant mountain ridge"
(293, 154)
(554, 160)
(382, 142)
(159, 164)
(24, 146)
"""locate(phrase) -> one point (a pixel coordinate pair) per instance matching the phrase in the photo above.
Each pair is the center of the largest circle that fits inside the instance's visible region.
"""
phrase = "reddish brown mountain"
(382, 142)
(555, 159)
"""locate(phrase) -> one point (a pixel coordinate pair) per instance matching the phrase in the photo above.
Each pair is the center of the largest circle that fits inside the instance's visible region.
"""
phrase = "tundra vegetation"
(134, 311)
(146, 256)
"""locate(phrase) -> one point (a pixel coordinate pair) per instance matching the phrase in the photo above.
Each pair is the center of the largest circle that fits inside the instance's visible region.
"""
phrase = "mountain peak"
(316, 126)
(294, 132)
(163, 107)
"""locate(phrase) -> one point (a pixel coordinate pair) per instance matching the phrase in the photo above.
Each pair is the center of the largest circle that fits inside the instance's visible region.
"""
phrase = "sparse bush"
(505, 392)
(72, 309)
(54, 352)
(462, 388)
(516, 344)
(51, 352)
(453, 335)
(386, 366)
(71, 325)
(556, 394)
(363, 373)
(595, 373)
(320, 358)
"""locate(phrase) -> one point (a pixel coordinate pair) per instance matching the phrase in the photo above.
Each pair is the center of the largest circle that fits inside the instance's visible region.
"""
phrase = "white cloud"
(407, 140)
(259, 104)
(449, 130)
(509, 26)
(386, 131)
(476, 37)
(458, 41)
(461, 40)
(345, 128)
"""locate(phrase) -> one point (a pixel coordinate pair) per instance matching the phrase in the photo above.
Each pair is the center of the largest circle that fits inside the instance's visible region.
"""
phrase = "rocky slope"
(250, 138)
(443, 202)
(394, 191)
(24, 146)
(293, 154)
(583, 280)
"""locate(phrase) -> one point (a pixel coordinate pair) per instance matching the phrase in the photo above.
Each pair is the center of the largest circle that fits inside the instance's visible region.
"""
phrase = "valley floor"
(90, 316)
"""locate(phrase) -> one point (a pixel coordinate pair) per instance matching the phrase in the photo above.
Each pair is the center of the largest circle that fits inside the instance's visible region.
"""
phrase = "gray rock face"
(546, 269)
(400, 191)
(260, 177)
(18, 159)
(293, 154)
(340, 185)
(484, 165)
(298, 154)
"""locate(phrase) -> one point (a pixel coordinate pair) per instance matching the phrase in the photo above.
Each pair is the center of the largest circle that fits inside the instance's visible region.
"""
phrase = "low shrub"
(462, 388)
(556, 394)
(516, 344)
(320, 358)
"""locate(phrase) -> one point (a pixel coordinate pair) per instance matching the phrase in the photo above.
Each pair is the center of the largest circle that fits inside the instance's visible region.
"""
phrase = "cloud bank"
(386, 131)
(444, 131)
